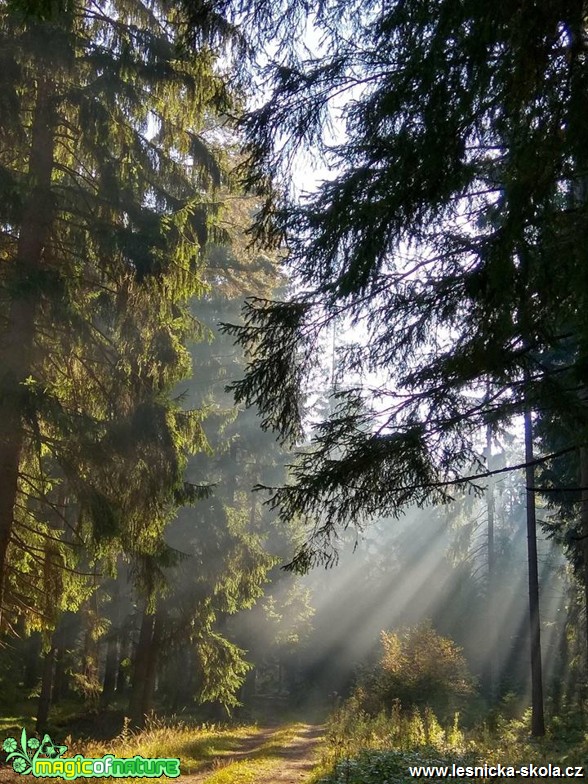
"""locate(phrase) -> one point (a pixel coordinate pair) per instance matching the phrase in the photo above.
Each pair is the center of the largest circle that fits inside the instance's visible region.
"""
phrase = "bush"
(419, 668)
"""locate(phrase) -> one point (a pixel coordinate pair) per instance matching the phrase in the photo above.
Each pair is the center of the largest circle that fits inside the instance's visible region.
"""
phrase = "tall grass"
(232, 755)
(196, 746)
(351, 730)
(371, 749)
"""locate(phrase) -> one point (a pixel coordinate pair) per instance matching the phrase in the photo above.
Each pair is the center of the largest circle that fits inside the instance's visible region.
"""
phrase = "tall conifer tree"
(451, 239)
(108, 184)
(451, 236)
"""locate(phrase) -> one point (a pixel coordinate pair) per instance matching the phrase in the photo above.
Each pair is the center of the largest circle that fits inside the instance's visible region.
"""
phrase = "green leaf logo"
(50, 749)
(30, 749)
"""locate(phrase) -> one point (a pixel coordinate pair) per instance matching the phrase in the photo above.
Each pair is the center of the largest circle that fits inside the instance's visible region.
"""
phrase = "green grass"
(376, 767)
(215, 748)
(260, 762)
(200, 748)
(371, 750)
(195, 745)
(11, 724)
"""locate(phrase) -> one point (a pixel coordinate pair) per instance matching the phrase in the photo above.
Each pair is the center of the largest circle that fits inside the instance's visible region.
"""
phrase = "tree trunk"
(46, 689)
(111, 663)
(183, 687)
(90, 650)
(64, 639)
(491, 599)
(151, 669)
(124, 654)
(537, 718)
(140, 669)
(110, 669)
(17, 341)
(59, 675)
(232, 478)
(32, 655)
(584, 534)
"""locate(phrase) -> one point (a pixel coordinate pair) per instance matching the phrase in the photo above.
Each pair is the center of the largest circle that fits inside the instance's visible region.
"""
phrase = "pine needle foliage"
(228, 559)
(450, 243)
(109, 182)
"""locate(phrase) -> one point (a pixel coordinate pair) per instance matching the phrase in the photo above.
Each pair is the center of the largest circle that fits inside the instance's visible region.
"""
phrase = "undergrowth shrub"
(351, 730)
(418, 668)
(385, 767)
(396, 703)
(405, 711)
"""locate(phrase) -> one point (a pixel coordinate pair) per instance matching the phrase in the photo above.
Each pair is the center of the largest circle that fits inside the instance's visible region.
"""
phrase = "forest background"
(415, 333)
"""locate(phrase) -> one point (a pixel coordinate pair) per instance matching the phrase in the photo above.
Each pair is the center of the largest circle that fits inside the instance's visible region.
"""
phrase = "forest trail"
(291, 761)
(278, 754)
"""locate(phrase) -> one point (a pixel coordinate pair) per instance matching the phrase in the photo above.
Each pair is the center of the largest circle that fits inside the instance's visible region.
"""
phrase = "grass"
(362, 749)
(195, 745)
(229, 753)
(260, 762)
(358, 748)
(11, 724)
(200, 748)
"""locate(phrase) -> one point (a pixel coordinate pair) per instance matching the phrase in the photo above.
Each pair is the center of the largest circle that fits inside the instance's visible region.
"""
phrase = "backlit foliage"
(449, 240)
(418, 668)
(108, 179)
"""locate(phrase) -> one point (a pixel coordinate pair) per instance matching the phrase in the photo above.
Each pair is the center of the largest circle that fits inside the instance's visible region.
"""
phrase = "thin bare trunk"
(46, 690)
(584, 533)
(110, 669)
(151, 669)
(140, 669)
(491, 566)
(537, 718)
(122, 676)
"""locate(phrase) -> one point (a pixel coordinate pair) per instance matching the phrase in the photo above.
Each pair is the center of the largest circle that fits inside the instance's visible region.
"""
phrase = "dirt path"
(296, 759)
(291, 763)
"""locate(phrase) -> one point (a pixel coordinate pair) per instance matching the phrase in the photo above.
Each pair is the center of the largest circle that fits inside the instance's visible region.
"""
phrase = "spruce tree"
(108, 186)
(451, 238)
(225, 559)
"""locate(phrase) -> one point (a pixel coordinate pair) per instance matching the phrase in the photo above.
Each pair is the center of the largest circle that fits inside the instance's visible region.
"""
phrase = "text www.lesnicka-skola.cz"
(496, 771)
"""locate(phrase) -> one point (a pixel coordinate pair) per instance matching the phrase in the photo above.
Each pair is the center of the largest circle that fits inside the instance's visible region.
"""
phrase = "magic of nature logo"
(44, 759)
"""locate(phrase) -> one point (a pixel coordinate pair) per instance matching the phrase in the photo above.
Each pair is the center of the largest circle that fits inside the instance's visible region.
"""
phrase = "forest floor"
(270, 755)
(277, 754)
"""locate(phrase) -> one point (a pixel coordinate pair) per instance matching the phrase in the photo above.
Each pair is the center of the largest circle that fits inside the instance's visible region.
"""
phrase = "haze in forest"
(293, 368)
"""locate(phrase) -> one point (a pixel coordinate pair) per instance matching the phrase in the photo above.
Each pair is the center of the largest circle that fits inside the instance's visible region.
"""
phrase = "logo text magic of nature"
(42, 758)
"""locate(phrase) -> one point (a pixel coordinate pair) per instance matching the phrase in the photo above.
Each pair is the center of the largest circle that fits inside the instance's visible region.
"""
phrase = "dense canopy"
(447, 249)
